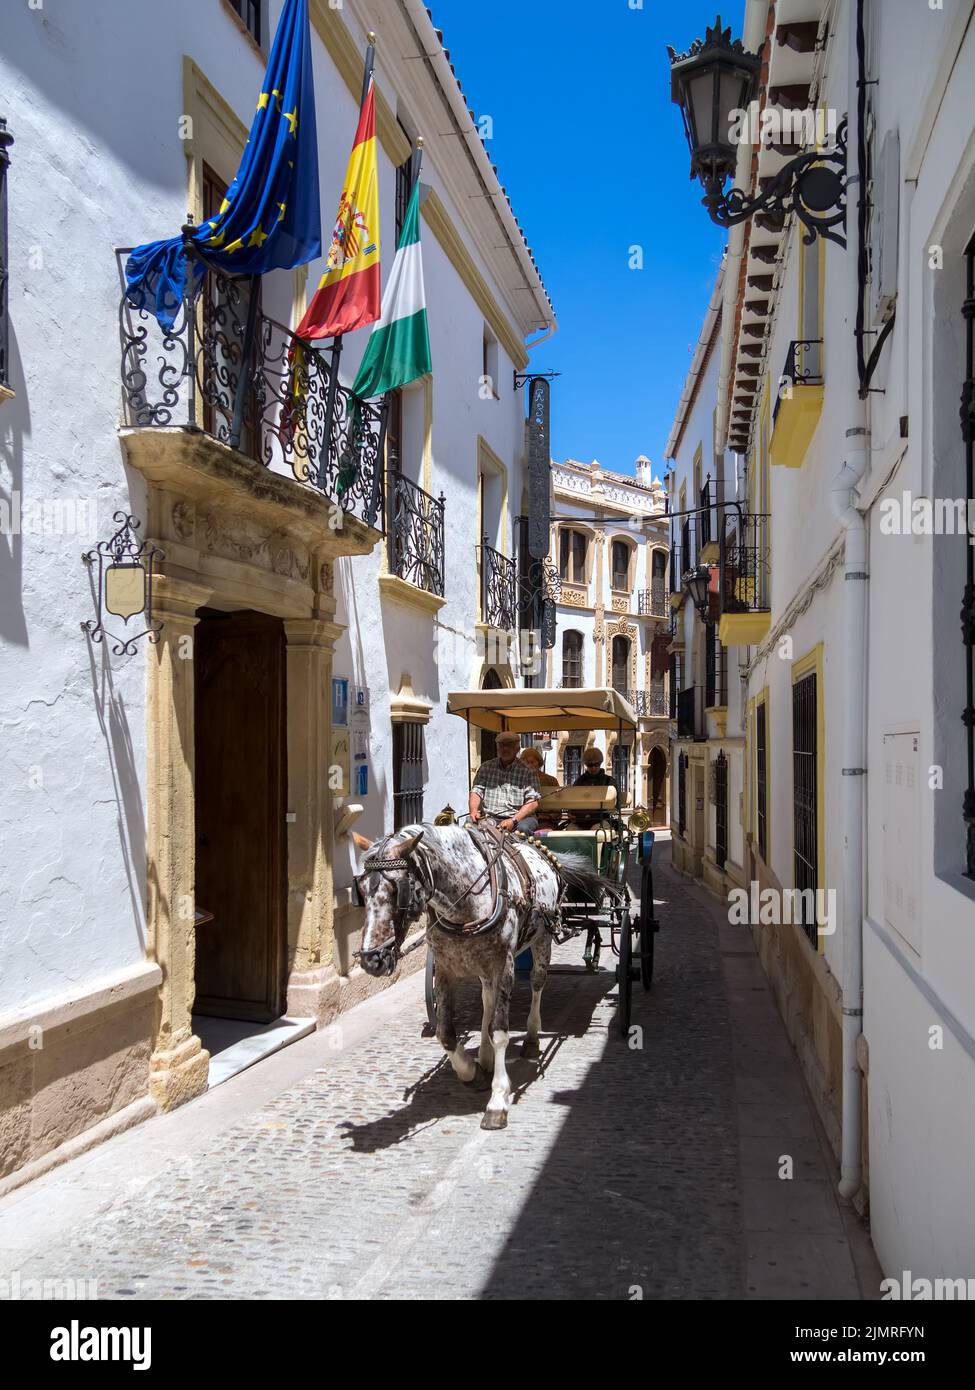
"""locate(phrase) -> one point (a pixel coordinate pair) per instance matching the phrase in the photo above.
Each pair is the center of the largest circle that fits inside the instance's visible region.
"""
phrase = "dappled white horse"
(487, 897)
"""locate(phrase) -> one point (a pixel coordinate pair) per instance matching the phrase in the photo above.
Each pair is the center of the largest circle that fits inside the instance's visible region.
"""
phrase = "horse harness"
(501, 865)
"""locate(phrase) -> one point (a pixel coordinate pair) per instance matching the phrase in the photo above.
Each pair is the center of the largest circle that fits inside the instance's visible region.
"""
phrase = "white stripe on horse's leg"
(485, 1053)
(496, 1115)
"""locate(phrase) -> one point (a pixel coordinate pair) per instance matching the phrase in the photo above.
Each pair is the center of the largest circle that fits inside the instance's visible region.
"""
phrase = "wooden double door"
(241, 795)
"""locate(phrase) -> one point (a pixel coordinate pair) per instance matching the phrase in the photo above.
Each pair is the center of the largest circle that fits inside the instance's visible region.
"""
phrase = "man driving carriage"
(505, 791)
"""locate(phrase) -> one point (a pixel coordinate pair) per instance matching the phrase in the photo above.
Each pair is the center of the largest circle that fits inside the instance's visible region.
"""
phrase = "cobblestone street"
(353, 1166)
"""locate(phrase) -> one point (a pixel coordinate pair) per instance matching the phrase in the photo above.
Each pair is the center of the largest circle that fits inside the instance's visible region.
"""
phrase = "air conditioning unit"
(885, 229)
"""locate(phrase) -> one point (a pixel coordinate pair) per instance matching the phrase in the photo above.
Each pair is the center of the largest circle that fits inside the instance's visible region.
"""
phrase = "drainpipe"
(844, 497)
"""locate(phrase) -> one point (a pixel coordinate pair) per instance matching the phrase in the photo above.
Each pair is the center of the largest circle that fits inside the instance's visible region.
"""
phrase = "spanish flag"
(348, 295)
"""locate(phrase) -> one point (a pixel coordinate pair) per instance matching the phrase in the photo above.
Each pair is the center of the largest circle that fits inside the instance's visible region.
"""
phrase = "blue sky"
(593, 155)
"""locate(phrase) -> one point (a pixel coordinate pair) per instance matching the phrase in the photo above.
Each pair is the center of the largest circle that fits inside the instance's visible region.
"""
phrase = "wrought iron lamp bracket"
(813, 186)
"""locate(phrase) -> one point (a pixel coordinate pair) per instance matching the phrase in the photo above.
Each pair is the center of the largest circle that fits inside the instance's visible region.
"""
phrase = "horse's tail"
(576, 873)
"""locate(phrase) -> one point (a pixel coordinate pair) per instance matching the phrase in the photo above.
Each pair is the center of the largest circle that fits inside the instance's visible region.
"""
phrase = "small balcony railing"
(570, 683)
(498, 588)
(743, 564)
(690, 712)
(803, 367)
(274, 409)
(650, 703)
(415, 534)
(652, 602)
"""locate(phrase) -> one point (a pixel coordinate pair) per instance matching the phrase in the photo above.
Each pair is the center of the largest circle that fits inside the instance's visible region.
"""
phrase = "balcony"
(499, 588)
(272, 410)
(652, 703)
(690, 713)
(799, 404)
(652, 602)
(743, 580)
(415, 535)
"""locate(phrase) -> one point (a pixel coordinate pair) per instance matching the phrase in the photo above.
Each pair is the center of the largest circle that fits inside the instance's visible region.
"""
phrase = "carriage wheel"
(624, 973)
(648, 930)
(429, 993)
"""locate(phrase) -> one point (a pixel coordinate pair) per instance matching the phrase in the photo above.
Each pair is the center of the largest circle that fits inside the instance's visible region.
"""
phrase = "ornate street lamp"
(714, 83)
(697, 582)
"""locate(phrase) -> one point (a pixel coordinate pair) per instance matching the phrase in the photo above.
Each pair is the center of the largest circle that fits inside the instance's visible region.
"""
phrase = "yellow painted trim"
(795, 425)
(763, 699)
(391, 586)
(439, 222)
(744, 629)
(218, 134)
(806, 665)
(349, 58)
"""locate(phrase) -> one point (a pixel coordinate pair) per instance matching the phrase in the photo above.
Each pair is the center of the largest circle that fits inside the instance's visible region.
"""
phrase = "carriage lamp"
(448, 816)
(123, 587)
(714, 83)
(697, 582)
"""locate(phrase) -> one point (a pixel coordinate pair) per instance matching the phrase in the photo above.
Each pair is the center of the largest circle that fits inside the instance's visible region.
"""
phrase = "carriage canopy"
(542, 711)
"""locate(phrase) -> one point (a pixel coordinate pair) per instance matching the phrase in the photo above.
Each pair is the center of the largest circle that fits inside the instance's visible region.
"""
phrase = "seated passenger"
(594, 776)
(534, 758)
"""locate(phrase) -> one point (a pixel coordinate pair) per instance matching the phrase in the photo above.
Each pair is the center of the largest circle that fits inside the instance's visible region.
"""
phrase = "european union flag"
(271, 217)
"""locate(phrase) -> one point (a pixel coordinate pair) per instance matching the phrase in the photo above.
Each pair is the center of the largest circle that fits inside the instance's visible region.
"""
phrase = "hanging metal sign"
(123, 585)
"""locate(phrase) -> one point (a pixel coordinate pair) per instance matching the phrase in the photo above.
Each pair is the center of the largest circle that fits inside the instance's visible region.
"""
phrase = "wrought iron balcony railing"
(570, 683)
(803, 367)
(690, 712)
(6, 140)
(415, 534)
(650, 703)
(652, 602)
(743, 564)
(498, 588)
(276, 408)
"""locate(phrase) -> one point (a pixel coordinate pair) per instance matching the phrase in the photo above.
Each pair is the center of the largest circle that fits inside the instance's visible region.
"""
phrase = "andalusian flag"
(348, 295)
(398, 350)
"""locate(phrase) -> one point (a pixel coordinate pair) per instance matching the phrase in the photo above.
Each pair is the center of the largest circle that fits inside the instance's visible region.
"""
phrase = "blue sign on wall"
(362, 779)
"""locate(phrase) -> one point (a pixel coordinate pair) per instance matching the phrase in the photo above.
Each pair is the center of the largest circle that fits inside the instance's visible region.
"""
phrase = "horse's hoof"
(531, 1049)
(494, 1119)
(481, 1081)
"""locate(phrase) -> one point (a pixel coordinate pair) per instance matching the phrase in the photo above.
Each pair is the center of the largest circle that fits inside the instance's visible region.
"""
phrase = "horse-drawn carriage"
(488, 894)
(605, 833)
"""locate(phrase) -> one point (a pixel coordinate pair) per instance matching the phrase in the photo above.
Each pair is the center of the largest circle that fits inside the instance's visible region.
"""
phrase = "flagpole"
(333, 377)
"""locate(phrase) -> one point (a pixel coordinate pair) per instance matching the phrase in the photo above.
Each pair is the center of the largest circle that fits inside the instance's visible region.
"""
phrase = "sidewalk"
(352, 1164)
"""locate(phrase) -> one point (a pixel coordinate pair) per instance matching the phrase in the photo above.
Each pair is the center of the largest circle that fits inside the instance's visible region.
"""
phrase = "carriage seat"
(591, 800)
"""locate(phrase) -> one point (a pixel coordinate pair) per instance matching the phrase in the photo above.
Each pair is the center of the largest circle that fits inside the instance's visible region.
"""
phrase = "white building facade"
(842, 611)
(175, 828)
(610, 544)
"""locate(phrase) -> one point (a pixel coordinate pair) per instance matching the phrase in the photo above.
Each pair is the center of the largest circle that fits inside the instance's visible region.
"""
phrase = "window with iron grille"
(572, 659)
(715, 687)
(571, 764)
(6, 140)
(761, 779)
(968, 600)
(407, 774)
(720, 809)
(804, 797)
(674, 685)
(621, 768)
(250, 14)
(621, 663)
(681, 793)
